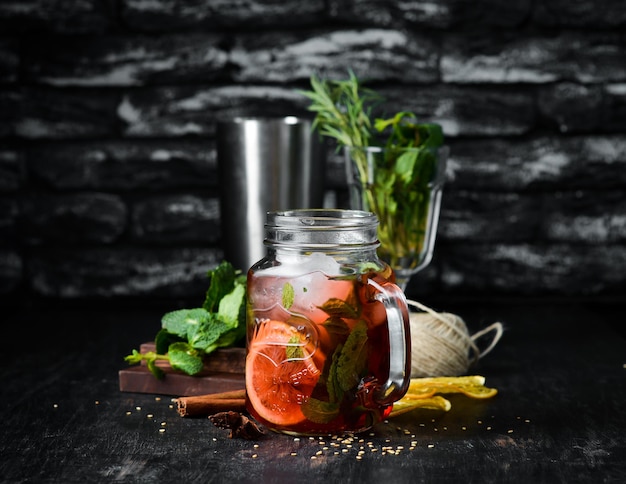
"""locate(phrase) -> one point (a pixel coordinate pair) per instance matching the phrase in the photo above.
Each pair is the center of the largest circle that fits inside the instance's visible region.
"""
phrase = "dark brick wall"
(107, 122)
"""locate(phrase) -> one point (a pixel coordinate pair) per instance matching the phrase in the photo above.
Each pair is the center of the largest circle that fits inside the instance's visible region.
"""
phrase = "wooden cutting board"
(223, 371)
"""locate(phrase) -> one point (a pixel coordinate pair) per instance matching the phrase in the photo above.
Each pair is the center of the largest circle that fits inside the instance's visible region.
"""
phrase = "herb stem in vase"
(395, 169)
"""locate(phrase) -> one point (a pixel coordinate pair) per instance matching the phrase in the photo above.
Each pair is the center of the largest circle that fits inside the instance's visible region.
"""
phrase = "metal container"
(265, 164)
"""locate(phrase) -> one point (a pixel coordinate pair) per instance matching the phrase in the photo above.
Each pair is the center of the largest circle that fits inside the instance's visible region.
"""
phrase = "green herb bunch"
(395, 185)
(187, 335)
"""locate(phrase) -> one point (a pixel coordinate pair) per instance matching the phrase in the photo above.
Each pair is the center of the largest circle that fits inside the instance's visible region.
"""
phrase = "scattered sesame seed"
(527, 421)
(56, 405)
(97, 402)
(163, 424)
(464, 427)
(319, 452)
(430, 446)
(489, 428)
(256, 446)
(158, 399)
(358, 457)
(509, 431)
(296, 439)
(345, 451)
(149, 415)
(254, 456)
(137, 408)
(161, 430)
(313, 457)
(293, 453)
(128, 413)
(214, 439)
(374, 449)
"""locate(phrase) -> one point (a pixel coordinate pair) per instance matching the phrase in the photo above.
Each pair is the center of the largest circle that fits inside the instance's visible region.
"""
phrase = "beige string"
(441, 344)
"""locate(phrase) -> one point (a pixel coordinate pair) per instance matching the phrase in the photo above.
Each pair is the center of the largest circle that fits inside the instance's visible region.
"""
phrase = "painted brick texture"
(108, 109)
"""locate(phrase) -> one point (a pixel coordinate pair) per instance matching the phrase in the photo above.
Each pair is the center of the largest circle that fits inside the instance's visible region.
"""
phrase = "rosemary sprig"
(343, 110)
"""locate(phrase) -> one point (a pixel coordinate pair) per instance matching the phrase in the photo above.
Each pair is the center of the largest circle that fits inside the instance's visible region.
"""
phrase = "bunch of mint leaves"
(188, 335)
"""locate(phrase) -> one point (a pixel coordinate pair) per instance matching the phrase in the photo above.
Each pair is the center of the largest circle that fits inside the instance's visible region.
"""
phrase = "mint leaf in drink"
(353, 358)
(293, 348)
(319, 411)
(335, 393)
(339, 308)
(288, 295)
(336, 328)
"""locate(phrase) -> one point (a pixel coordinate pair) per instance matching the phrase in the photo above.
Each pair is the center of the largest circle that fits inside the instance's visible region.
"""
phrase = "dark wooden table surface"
(560, 415)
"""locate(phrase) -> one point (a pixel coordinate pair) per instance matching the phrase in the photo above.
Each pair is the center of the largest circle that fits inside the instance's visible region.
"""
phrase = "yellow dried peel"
(423, 392)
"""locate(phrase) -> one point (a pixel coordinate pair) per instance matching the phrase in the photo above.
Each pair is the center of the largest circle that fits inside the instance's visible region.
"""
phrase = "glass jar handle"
(398, 325)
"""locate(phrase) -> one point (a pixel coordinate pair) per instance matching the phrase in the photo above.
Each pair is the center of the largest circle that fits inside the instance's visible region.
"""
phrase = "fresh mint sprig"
(188, 335)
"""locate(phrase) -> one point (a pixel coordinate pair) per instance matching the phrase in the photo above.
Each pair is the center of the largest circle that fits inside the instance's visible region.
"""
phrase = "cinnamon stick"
(203, 405)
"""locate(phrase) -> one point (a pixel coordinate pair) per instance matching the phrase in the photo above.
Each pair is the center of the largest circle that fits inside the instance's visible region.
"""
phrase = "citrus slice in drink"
(280, 372)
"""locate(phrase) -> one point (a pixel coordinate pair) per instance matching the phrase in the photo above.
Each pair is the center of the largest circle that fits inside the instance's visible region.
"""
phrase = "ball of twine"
(441, 344)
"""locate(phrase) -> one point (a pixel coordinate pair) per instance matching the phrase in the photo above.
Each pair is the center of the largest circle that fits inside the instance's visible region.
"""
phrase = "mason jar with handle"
(328, 344)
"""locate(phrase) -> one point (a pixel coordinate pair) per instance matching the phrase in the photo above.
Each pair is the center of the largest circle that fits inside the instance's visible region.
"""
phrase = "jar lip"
(321, 218)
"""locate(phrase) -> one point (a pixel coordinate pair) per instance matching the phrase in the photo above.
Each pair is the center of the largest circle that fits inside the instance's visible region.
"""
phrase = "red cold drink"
(327, 329)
